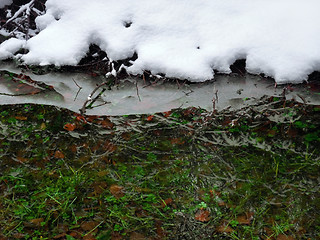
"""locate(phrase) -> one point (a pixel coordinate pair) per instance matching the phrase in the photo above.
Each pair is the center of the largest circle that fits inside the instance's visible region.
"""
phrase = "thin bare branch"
(138, 91)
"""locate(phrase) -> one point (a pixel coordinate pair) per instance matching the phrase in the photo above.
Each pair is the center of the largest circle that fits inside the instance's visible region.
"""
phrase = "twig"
(89, 99)
(20, 94)
(78, 89)
(302, 98)
(138, 91)
(76, 83)
(23, 8)
(95, 99)
(214, 100)
(188, 93)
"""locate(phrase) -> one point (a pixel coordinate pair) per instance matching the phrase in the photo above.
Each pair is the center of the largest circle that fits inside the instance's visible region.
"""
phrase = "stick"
(138, 91)
(78, 89)
(89, 99)
(95, 99)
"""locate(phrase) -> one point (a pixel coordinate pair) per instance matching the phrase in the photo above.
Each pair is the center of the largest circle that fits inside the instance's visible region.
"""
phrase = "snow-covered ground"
(186, 39)
(5, 2)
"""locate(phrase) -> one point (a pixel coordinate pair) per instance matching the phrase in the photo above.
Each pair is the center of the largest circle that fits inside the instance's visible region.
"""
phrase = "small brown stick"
(20, 94)
(138, 91)
(214, 100)
(76, 83)
(78, 89)
(144, 79)
(302, 98)
(89, 99)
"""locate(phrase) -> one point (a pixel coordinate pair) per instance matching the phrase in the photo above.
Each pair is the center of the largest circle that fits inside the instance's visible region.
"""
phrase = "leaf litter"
(183, 174)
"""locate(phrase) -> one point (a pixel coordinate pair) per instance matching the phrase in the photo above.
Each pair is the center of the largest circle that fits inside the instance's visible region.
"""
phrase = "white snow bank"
(184, 38)
(9, 47)
(5, 2)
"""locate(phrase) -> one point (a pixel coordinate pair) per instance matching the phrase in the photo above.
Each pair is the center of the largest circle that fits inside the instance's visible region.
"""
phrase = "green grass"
(190, 175)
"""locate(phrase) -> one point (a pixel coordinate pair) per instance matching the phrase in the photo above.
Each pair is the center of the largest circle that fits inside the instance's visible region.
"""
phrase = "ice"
(186, 39)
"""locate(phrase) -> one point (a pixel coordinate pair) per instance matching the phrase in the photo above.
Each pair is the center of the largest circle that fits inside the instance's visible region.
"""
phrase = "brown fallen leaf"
(22, 159)
(61, 235)
(224, 228)
(106, 124)
(34, 223)
(99, 187)
(166, 114)
(150, 118)
(166, 202)
(17, 236)
(284, 237)
(116, 236)
(89, 237)
(202, 215)
(160, 232)
(22, 118)
(58, 154)
(117, 191)
(177, 141)
(69, 127)
(43, 126)
(245, 219)
(137, 236)
(89, 226)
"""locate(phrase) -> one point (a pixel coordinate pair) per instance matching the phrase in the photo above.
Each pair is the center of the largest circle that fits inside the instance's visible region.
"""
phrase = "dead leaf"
(160, 232)
(137, 236)
(109, 146)
(177, 141)
(202, 215)
(33, 223)
(126, 136)
(284, 237)
(61, 235)
(58, 154)
(89, 237)
(73, 148)
(245, 219)
(166, 202)
(22, 118)
(89, 226)
(103, 173)
(166, 114)
(17, 235)
(116, 191)
(22, 159)
(43, 126)
(214, 193)
(74, 234)
(116, 236)
(69, 127)
(150, 117)
(224, 228)
(99, 187)
(106, 124)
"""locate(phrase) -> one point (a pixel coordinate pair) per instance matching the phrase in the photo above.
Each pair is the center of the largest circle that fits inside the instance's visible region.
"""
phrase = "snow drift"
(186, 39)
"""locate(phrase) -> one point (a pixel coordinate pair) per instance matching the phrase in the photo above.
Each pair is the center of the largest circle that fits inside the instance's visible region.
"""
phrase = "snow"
(185, 39)
(9, 47)
(5, 2)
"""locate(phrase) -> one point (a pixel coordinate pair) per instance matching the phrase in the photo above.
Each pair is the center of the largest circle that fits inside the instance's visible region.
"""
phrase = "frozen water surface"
(134, 96)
